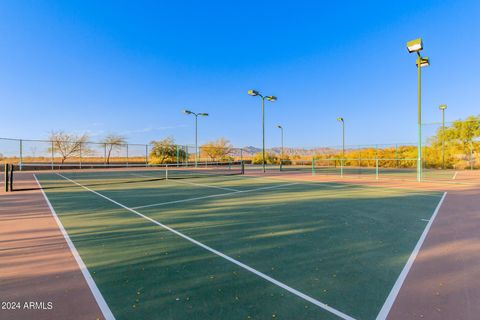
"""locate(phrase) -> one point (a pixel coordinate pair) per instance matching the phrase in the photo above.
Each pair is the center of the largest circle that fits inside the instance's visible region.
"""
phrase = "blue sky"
(131, 67)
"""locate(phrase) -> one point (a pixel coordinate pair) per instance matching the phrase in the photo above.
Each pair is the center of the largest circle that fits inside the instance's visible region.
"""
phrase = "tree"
(165, 151)
(460, 142)
(270, 158)
(113, 142)
(67, 145)
(218, 150)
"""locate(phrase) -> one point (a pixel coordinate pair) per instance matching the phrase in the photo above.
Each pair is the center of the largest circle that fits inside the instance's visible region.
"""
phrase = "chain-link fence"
(449, 147)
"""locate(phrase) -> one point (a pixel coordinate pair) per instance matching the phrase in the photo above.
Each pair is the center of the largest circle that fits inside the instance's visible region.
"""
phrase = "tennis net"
(98, 174)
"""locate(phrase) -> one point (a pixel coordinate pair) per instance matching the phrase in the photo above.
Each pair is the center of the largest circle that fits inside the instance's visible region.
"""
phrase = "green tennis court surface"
(239, 247)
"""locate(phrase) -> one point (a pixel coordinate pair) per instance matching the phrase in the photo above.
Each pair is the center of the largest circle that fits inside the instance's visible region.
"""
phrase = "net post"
(7, 177)
(281, 164)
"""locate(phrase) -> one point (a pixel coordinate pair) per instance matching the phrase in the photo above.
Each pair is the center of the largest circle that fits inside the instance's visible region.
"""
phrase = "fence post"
(127, 154)
(313, 165)
(80, 155)
(53, 154)
(396, 155)
(241, 154)
(471, 155)
(146, 155)
(104, 154)
(341, 166)
(21, 154)
(176, 146)
(376, 162)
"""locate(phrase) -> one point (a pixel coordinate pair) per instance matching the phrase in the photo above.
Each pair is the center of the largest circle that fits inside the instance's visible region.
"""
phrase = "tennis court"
(231, 246)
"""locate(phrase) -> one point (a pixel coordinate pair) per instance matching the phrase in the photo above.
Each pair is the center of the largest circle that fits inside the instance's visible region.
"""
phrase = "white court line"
(107, 313)
(186, 182)
(220, 254)
(455, 175)
(427, 220)
(204, 185)
(403, 275)
(211, 196)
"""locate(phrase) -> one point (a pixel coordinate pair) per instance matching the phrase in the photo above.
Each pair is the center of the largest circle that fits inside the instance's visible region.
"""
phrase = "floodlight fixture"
(415, 45)
(424, 62)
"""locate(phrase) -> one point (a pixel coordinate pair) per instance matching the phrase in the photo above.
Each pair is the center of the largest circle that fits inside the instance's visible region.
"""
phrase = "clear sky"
(130, 67)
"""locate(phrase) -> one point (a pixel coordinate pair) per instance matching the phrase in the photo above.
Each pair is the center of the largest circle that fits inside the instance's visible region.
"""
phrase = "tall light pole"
(281, 137)
(443, 107)
(415, 46)
(202, 114)
(340, 119)
(255, 93)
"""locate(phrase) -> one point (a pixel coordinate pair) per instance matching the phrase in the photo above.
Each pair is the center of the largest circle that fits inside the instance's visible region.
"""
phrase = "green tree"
(270, 158)
(460, 140)
(165, 151)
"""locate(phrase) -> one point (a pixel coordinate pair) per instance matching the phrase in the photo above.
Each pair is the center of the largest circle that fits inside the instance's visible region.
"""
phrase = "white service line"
(220, 254)
(186, 182)
(107, 313)
(211, 196)
(403, 275)
(204, 185)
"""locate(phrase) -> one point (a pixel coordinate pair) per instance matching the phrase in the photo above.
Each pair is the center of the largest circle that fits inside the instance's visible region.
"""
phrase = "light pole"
(443, 107)
(255, 93)
(340, 119)
(417, 46)
(196, 131)
(281, 138)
